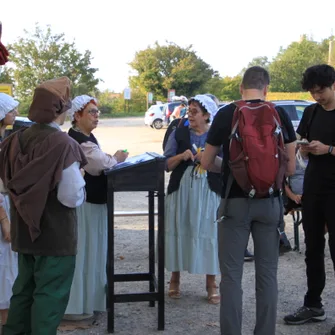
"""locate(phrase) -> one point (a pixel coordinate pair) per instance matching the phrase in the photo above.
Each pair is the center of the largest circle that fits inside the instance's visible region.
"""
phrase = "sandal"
(212, 296)
(174, 291)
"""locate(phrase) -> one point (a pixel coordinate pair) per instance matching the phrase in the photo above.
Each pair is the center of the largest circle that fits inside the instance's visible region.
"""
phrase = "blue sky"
(225, 34)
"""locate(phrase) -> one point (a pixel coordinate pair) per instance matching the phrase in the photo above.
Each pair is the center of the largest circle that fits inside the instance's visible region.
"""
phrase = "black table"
(139, 173)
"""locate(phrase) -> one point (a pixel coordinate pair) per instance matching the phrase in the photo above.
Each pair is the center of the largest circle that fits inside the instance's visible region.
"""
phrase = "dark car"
(169, 108)
(20, 122)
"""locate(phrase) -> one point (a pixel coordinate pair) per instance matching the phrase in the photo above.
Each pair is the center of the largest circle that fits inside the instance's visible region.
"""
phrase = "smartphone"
(302, 142)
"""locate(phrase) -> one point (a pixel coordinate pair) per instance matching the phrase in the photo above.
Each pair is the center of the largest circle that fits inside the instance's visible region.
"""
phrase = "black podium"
(139, 173)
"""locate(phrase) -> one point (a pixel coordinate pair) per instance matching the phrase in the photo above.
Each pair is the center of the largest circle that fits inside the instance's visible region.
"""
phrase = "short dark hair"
(256, 77)
(321, 75)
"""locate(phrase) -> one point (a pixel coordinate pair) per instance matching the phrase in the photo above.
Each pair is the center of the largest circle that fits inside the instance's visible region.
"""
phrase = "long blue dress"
(190, 213)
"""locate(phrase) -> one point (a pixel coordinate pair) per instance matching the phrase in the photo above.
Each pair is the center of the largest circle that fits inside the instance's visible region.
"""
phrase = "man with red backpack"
(258, 142)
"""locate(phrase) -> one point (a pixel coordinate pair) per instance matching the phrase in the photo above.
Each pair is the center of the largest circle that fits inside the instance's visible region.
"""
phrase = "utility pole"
(331, 58)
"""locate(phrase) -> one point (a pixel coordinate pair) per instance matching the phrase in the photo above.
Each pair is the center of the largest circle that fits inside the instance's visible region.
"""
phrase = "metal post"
(152, 244)
(110, 263)
(161, 253)
(331, 59)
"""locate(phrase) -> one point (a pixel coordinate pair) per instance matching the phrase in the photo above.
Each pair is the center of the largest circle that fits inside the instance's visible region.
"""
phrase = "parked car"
(294, 109)
(157, 116)
(20, 121)
(154, 117)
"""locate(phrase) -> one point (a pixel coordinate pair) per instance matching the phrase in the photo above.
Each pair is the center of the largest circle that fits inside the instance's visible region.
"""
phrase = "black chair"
(297, 220)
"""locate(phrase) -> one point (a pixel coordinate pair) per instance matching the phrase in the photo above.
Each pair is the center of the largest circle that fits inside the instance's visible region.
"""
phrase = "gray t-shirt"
(296, 182)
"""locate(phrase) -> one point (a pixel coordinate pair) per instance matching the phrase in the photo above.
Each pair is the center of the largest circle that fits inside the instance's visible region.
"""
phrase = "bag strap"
(309, 123)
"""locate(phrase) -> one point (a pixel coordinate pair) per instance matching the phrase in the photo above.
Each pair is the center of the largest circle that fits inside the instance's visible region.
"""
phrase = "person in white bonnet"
(8, 112)
(193, 196)
(88, 293)
(8, 263)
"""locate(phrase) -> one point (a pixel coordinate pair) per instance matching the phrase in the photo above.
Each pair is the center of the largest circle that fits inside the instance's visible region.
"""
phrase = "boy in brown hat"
(40, 168)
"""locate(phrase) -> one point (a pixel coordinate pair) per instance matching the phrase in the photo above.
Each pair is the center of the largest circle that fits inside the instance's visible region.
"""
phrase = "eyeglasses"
(94, 112)
(192, 112)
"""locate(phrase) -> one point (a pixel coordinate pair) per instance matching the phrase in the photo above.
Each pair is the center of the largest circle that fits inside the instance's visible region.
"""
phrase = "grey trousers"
(261, 218)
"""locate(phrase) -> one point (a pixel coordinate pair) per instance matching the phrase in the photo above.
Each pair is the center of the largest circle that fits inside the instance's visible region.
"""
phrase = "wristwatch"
(330, 150)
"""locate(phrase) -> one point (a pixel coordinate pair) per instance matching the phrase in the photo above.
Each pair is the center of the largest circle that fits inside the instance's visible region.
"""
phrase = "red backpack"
(257, 159)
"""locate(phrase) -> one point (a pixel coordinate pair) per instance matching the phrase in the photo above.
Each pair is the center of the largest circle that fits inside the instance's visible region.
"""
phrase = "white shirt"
(71, 188)
(96, 158)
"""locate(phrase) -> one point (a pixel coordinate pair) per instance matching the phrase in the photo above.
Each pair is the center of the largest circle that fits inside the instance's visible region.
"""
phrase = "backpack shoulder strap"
(311, 117)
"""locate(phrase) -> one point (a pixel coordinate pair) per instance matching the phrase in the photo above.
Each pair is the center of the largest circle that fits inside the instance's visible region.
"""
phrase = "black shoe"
(284, 248)
(332, 332)
(305, 314)
(248, 256)
(284, 244)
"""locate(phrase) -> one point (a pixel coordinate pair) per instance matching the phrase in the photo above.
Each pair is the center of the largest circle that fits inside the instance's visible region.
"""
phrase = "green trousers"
(40, 295)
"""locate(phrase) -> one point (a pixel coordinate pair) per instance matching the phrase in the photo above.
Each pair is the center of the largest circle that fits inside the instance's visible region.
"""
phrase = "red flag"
(3, 51)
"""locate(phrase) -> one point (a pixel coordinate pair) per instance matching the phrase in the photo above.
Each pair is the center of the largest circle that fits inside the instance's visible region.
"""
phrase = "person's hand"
(297, 198)
(5, 228)
(121, 155)
(317, 148)
(304, 150)
(82, 171)
(187, 154)
(198, 156)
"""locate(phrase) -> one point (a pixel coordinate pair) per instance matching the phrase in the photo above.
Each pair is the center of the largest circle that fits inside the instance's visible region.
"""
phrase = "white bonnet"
(207, 102)
(78, 103)
(7, 104)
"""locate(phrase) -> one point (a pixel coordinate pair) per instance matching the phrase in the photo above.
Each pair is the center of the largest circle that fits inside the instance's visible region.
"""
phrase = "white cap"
(7, 104)
(78, 103)
(206, 102)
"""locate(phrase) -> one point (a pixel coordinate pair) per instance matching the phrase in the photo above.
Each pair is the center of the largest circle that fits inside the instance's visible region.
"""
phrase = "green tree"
(287, 67)
(5, 75)
(161, 68)
(231, 88)
(214, 86)
(42, 55)
(112, 103)
(262, 61)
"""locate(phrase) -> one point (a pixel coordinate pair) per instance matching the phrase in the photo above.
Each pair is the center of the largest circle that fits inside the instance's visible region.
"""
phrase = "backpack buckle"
(277, 131)
(252, 193)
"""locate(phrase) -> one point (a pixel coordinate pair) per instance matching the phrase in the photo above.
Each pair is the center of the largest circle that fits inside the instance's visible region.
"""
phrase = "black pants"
(317, 211)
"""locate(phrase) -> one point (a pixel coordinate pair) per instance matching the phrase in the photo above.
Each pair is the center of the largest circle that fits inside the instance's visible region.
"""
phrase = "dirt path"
(191, 314)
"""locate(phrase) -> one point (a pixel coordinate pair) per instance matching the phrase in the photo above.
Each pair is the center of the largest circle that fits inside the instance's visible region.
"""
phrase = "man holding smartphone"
(317, 129)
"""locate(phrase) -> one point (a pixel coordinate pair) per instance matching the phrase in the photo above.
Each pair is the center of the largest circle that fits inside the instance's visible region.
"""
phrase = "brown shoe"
(212, 295)
(174, 291)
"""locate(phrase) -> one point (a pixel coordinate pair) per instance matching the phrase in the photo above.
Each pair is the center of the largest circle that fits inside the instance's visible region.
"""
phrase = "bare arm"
(294, 197)
(290, 149)
(4, 221)
(210, 160)
(174, 161)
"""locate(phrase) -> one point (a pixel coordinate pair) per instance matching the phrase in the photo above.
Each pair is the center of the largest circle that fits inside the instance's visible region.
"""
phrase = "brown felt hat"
(51, 99)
